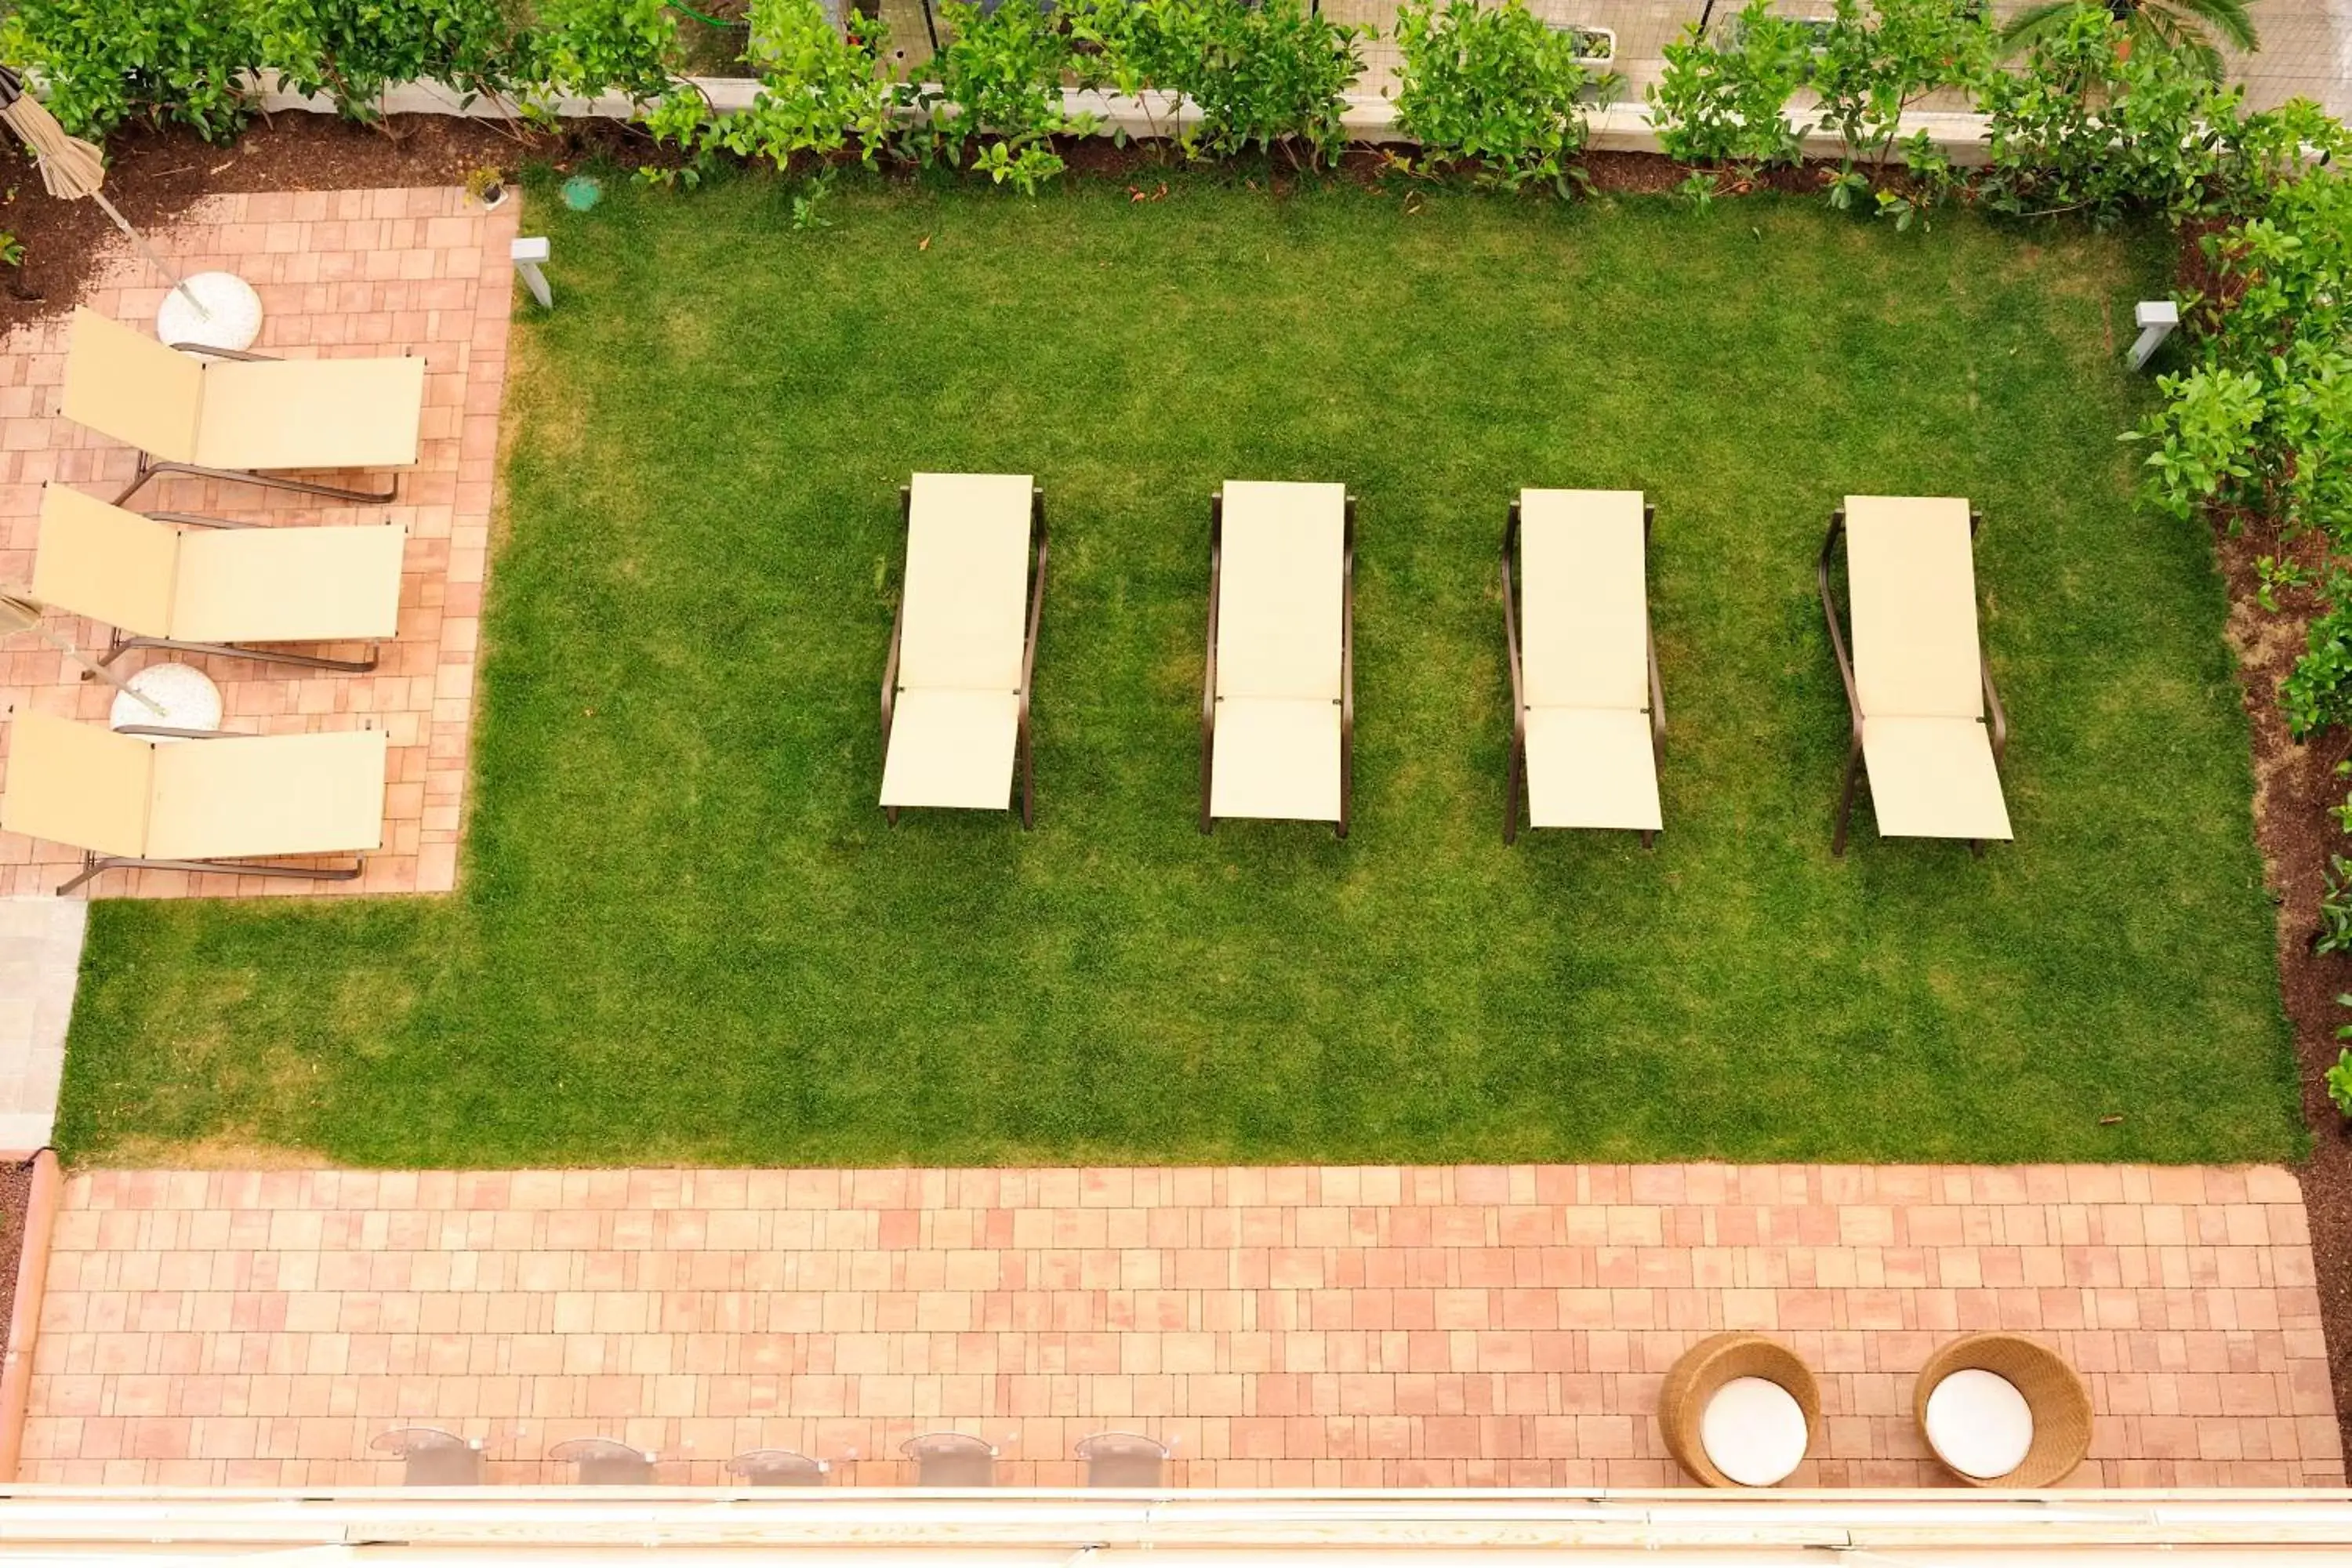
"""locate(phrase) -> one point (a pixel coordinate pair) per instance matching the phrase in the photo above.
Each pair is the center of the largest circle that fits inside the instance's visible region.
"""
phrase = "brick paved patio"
(1280, 1327)
(340, 273)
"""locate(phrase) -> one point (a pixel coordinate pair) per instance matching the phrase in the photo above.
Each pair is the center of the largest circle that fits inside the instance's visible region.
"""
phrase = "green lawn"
(685, 934)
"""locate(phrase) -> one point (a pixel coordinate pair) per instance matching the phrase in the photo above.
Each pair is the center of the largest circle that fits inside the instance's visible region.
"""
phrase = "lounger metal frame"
(94, 865)
(149, 468)
(118, 644)
(1515, 769)
(1021, 746)
(1853, 764)
(1347, 663)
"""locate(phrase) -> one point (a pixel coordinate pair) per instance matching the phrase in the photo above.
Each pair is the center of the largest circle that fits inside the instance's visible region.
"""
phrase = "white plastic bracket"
(2156, 319)
(527, 256)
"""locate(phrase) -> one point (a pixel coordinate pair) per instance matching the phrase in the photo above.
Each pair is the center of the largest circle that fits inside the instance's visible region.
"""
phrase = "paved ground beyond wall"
(1381, 1326)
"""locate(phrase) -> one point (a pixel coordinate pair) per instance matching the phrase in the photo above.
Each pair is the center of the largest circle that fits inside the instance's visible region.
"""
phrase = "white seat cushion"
(1281, 585)
(1754, 1431)
(1933, 778)
(1275, 757)
(1584, 615)
(1979, 1424)
(952, 748)
(1592, 767)
(1912, 576)
(963, 623)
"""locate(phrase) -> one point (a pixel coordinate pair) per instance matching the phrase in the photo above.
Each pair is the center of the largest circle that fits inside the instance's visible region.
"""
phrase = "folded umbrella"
(72, 168)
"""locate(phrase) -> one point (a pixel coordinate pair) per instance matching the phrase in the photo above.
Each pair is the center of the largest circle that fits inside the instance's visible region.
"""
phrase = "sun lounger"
(955, 692)
(1917, 684)
(1588, 720)
(217, 586)
(206, 801)
(1279, 704)
(228, 415)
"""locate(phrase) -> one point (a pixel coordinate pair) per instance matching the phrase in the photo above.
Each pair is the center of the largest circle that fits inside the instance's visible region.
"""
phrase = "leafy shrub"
(1727, 104)
(1871, 69)
(1124, 47)
(999, 74)
(2318, 691)
(2339, 1081)
(2261, 428)
(167, 61)
(593, 47)
(356, 49)
(1262, 74)
(2335, 932)
(1495, 85)
(2203, 438)
(2093, 126)
(822, 90)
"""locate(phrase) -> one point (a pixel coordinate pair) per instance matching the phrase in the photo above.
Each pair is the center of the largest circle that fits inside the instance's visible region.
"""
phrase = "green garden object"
(581, 192)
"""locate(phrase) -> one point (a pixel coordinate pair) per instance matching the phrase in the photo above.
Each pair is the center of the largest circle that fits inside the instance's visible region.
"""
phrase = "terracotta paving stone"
(1347, 1327)
(340, 273)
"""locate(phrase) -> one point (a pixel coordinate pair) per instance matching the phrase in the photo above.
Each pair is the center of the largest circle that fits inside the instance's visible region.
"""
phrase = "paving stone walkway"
(40, 959)
(1324, 1327)
(339, 273)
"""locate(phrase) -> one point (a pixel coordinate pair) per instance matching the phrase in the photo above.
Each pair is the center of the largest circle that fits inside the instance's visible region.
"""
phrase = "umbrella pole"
(147, 251)
(100, 671)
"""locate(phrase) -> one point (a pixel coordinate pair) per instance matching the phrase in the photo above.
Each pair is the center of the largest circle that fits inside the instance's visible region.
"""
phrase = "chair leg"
(148, 471)
(1649, 839)
(1976, 849)
(1511, 799)
(1845, 801)
(890, 816)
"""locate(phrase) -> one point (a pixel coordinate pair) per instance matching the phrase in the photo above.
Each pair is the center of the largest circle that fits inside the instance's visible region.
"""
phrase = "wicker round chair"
(1706, 1367)
(2054, 1392)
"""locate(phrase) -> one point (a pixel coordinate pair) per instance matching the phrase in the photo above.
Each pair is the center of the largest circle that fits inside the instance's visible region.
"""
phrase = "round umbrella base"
(231, 317)
(189, 699)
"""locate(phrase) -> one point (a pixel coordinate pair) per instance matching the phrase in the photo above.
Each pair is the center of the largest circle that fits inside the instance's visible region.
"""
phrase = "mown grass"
(684, 934)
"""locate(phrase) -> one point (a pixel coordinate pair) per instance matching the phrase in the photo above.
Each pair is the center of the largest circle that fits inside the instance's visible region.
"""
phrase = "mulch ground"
(16, 1194)
(154, 176)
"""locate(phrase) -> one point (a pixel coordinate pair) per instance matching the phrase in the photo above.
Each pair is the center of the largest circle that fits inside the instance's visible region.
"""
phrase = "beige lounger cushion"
(77, 783)
(289, 584)
(964, 620)
(1933, 778)
(952, 748)
(100, 561)
(1917, 671)
(121, 382)
(268, 794)
(310, 413)
(1584, 657)
(1592, 767)
(1275, 757)
(1274, 748)
(962, 628)
(241, 413)
(227, 586)
(1279, 590)
(1914, 586)
(1584, 599)
(193, 800)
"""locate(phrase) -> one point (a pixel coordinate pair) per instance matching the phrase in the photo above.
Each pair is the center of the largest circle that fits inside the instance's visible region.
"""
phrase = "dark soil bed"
(2293, 787)
(16, 1194)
